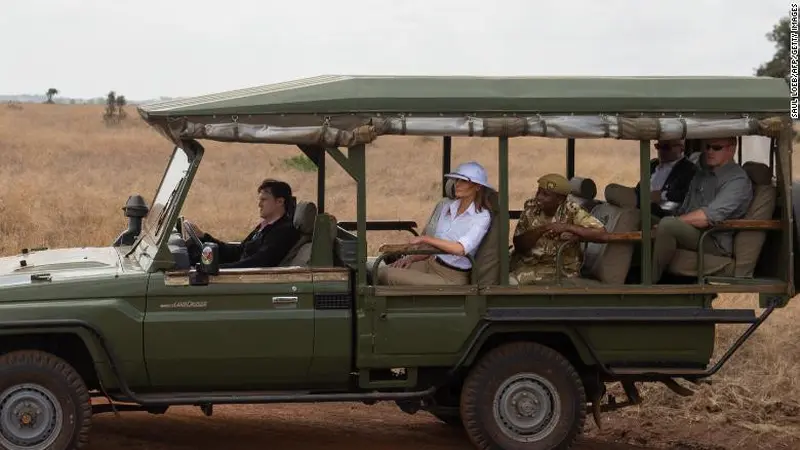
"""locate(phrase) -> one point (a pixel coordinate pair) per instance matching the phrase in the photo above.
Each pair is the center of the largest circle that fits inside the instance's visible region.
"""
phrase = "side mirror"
(209, 265)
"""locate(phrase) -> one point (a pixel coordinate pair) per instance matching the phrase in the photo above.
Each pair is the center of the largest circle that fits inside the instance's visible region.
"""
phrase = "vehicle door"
(247, 328)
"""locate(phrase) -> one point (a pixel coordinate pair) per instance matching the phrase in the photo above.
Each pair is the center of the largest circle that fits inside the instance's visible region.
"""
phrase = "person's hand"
(567, 236)
(418, 240)
(555, 227)
(197, 231)
(402, 263)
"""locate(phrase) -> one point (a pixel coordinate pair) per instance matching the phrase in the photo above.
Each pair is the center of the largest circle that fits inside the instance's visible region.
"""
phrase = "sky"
(145, 49)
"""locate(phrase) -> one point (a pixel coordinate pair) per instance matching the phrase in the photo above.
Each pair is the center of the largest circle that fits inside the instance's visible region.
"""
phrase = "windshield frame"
(150, 247)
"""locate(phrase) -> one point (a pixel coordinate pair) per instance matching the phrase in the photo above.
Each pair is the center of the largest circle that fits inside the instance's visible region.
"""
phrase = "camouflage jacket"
(542, 257)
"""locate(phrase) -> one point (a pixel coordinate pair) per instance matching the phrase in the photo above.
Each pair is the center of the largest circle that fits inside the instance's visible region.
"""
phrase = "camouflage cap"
(555, 183)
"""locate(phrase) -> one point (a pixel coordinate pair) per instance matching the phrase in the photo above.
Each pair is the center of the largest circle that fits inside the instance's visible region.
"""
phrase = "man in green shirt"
(720, 190)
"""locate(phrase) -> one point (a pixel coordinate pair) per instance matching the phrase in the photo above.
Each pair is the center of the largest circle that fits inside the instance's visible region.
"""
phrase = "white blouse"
(468, 229)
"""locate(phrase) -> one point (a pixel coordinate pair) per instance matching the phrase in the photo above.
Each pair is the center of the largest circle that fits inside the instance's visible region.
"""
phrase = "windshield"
(167, 193)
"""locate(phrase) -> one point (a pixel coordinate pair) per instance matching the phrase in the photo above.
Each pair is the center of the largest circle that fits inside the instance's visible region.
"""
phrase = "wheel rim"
(527, 407)
(30, 417)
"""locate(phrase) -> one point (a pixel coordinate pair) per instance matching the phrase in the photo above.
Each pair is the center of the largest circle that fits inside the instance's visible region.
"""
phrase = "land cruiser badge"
(185, 305)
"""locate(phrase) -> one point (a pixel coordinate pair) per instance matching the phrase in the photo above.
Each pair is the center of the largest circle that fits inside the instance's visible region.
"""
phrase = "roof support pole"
(447, 151)
(343, 161)
(502, 159)
(317, 156)
(321, 182)
(570, 158)
(739, 146)
(644, 176)
(357, 158)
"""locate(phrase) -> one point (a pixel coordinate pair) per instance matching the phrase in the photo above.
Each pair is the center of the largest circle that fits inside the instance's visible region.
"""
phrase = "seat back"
(610, 262)
(747, 244)
(487, 256)
(323, 244)
(584, 191)
(305, 215)
(433, 220)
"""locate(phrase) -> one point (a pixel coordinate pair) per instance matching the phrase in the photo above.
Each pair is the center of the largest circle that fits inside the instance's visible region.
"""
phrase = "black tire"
(46, 394)
(540, 383)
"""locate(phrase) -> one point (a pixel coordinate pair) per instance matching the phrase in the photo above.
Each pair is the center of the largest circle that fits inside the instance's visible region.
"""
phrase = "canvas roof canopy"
(336, 110)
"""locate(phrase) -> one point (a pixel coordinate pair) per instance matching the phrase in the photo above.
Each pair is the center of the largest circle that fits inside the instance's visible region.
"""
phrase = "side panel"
(630, 343)
(118, 315)
(433, 329)
(244, 330)
(407, 326)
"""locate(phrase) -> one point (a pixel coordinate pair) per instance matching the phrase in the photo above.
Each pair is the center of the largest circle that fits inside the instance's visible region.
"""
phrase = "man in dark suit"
(271, 239)
(670, 175)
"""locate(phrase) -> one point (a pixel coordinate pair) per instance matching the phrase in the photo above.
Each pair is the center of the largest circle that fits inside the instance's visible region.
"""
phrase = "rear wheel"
(523, 396)
(44, 403)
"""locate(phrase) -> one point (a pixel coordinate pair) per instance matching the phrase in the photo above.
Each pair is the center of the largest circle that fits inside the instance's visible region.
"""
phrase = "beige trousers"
(422, 273)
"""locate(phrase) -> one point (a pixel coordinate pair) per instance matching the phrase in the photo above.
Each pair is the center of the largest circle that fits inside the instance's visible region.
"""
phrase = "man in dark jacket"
(271, 239)
(670, 175)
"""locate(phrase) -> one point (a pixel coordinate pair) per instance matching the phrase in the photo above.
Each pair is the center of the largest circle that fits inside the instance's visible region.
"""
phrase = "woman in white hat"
(462, 224)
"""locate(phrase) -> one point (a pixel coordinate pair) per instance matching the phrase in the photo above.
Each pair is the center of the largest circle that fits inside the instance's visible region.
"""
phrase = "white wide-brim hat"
(471, 171)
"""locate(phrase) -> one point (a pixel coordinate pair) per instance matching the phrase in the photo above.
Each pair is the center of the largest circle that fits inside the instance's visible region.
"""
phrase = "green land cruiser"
(519, 367)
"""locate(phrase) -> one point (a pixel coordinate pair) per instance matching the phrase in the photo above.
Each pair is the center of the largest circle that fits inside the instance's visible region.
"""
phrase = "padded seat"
(747, 244)
(584, 191)
(305, 216)
(608, 263)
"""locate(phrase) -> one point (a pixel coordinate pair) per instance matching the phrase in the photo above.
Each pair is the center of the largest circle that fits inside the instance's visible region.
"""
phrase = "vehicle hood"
(62, 264)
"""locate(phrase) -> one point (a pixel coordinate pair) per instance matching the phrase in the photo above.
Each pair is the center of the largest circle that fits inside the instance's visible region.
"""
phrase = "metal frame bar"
(447, 158)
(570, 158)
(739, 146)
(357, 159)
(317, 156)
(502, 158)
(344, 161)
(644, 177)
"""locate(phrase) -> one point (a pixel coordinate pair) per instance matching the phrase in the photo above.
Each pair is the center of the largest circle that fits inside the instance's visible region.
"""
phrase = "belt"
(451, 267)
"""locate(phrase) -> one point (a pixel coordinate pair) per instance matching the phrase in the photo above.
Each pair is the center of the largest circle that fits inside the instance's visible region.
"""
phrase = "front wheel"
(523, 396)
(44, 403)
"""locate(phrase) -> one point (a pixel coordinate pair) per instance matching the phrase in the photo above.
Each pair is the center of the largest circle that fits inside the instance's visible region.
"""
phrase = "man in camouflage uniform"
(548, 220)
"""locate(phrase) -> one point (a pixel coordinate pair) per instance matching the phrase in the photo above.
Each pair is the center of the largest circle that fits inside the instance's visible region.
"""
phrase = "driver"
(271, 239)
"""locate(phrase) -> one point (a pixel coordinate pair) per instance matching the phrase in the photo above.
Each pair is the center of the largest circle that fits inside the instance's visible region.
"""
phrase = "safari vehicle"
(142, 324)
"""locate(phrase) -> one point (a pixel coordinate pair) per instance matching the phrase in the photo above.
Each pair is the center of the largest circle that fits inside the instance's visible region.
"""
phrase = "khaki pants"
(422, 273)
(672, 234)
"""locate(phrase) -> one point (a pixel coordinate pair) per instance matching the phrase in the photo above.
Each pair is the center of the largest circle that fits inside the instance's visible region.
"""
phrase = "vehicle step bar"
(238, 398)
(621, 314)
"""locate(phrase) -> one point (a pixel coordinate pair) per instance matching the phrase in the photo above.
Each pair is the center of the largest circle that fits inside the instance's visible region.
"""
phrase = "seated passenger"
(548, 220)
(720, 190)
(271, 239)
(670, 175)
(462, 224)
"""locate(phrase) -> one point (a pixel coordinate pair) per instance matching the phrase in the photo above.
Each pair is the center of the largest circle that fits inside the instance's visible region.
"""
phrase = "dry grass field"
(64, 177)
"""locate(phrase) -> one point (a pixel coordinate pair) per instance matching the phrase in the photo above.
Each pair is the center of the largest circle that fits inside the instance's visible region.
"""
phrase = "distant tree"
(111, 105)
(778, 66)
(120, 103)
(50, 94)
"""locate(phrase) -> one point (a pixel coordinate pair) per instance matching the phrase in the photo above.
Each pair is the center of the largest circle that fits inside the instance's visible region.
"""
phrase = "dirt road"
(286, 427)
